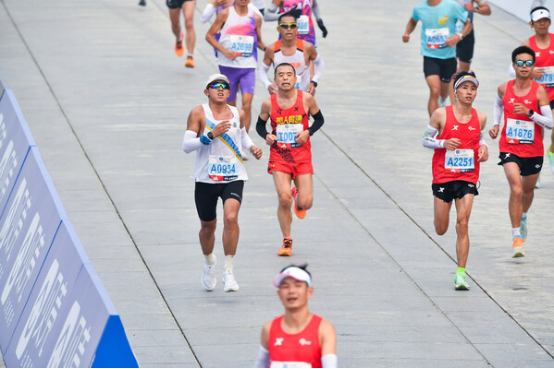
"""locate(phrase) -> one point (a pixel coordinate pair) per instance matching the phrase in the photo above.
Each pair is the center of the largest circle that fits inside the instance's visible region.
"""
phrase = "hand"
(221, 128)
(302, 137)
(452, 143)
(483, 153)
(405, 37)
(322, 27)
(231, 55)
(256, 151)
(537, 73)
(311, 89)
(452, 40)
(270, 139)
(469, 7)
(493, 132)
(272, 89)
(520, 109)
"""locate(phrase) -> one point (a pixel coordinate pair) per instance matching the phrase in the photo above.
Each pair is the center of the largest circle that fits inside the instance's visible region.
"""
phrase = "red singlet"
(458, 165)
(544, 58)
(520, 135)
(295, 350)
(285, 155)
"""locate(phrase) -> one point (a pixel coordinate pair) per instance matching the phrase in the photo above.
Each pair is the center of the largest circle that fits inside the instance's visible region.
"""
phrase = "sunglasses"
(288, 25)
(528, 63)
(217, 85)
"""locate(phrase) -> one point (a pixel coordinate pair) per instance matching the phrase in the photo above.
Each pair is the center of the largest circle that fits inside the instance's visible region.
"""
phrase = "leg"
(463, 210)
(445, 86)
(247, 107)
(434, 84)
(528, 188)
(516, 192)
(175, 17)
(207, 236)
(188, 14)
(304, 185)
(231, 229)
(442, 215)
(284, 214)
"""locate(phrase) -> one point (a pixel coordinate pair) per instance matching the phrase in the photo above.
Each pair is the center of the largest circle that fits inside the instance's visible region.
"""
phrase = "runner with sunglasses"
(215, 131)
(290, 49)
(456, 134)
(290, 157)
(526, 109)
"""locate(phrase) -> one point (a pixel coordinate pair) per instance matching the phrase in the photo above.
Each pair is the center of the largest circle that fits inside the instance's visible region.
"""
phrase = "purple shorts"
(245, 77)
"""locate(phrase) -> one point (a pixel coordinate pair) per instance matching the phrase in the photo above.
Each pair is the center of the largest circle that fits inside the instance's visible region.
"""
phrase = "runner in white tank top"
(216, 131)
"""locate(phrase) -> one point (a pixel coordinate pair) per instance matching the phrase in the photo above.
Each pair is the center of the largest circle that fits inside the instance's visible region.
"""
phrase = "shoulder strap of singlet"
(533, 42)
(300, 44)
(277, 47)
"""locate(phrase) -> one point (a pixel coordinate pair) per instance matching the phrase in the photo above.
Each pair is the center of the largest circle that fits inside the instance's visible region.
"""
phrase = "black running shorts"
(207, 194)
(444, 68)
(175, 4)
(464, 48)
(527, 166)
(453, 190)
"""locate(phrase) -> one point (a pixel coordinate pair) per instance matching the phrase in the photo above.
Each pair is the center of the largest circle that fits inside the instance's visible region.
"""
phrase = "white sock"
(191, 55)
(523, 215)
(210, 259)
(516, 232)
(229, 262)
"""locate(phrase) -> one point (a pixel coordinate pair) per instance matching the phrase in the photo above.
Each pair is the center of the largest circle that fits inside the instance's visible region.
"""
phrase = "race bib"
(303, 25)
(547, 79)
(459, 161)
(286, 134)
(222, 168)
(290, 364)
(242, 45)
(520, 131)
(436, 37)
(298, 84)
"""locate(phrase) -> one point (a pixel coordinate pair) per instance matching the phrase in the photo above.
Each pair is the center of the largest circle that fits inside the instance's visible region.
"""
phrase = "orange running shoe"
(179, 46)
(517, 248)
(286, 249)
(189, 63)
(301, 214)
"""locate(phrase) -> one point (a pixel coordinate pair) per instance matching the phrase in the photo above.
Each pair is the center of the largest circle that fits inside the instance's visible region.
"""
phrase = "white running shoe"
(208, 278)
(229, 280)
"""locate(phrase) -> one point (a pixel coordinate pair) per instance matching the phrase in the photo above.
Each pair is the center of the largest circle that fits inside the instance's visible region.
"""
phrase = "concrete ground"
(107, 101)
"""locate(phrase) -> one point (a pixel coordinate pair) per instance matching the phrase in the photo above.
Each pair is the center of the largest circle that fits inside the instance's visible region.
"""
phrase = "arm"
(453, 40)
(269, 138)
(319, 66)
(483, 153)
(311, 108)
(261, 44)
(328, 342)
(214, 29)
(262, 361)
(317, 14)
(264, 68)
(208, 12)
(498, 108)
(245, 139)
(436, 125)
(479, 7)
(545, 118)
(412, 23)
(193, 140)
(272, 12)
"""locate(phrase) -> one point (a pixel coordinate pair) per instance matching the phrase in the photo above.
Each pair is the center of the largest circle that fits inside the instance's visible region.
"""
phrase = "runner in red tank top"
(290, 156)
(521, 148)
(299, 338)
(455, 132)
(543, 46)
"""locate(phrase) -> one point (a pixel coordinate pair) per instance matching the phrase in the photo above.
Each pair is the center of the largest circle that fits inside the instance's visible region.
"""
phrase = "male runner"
(438, 44)
(299, 338)
(521, 147)
(290, 49)
(290, 156)
(455, 132)
(187, 7)
(543, 46)
(237, 51)
(214, 131)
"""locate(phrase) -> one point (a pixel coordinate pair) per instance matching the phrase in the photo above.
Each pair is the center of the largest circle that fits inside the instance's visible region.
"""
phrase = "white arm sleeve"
(262, 361)
(329, 361)
(191, 142)
(544, 120)
(497, 111)
(511, 71)
(482, 139)
(208, 12)
(316, 12)
(245, 139)
(429, 138)
(262, 73)
(319, 65)
(271, 13)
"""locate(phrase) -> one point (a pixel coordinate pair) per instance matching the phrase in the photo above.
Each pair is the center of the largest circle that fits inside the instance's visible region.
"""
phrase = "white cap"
(540, 14)
(294, 272)
(217, 77)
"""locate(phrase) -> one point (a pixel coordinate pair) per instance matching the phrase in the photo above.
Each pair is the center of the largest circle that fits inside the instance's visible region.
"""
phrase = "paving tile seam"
(349, 158)
(65, 117)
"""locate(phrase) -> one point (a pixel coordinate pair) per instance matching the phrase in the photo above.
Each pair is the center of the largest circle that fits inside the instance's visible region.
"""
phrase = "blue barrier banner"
(27, 228)
(15, 140)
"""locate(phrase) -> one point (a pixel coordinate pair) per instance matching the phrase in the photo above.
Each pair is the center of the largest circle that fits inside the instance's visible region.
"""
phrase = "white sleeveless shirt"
(239, 35)
(297, 60)
(220, 162)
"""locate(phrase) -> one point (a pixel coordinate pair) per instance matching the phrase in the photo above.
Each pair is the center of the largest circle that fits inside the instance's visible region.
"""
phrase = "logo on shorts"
(537, 166)
(471, 185)
(304, 342)
(507, 156)
(278, 341)
(455, 128)
(441, 189)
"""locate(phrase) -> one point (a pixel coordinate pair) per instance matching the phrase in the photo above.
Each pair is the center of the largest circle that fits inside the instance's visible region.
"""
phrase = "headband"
(466, 78)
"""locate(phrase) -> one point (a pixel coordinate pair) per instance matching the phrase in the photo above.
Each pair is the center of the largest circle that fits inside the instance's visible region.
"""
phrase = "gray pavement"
(107, 101)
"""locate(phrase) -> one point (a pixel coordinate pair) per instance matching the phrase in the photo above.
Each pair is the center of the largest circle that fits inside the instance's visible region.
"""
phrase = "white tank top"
(220, 162)
(297, 60)
(239, 34)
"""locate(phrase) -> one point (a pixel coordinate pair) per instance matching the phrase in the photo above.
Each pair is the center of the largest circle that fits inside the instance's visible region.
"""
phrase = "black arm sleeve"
(318, 123)
(260, 128)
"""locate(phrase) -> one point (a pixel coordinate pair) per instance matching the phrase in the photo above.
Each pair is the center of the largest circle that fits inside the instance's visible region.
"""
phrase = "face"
(218, 94)
(524, 71)
(294, 294)
(242, 2)
(466, 92)
(287, 27)
(285, 78)
(541, 26)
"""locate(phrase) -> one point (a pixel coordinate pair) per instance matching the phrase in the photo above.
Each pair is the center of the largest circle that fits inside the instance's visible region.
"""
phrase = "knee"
(441, 228)
(285, 201)
(305, 203)
(434, 92)
(189, 24)
(247, 105)
(517, 192)
(207, 228)
(462, 226)
(230, 220)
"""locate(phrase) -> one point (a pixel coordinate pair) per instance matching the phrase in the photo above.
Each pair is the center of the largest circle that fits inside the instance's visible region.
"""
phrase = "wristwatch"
(531, 112)
(210, 135)
(461, 36)
(314, 82)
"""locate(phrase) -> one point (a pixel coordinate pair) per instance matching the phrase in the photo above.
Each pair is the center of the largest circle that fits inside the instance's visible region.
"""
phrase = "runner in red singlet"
(521, 147)
(455, 132)
(299, 338)
(290, 155)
